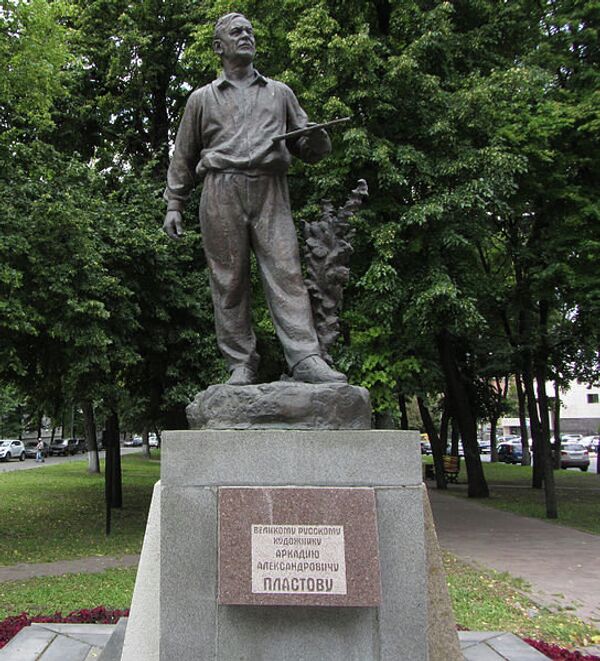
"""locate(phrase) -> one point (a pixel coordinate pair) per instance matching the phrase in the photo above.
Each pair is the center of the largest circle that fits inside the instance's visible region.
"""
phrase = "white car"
(511, 438)
(590, 443)
(12, 449)
(570, 438)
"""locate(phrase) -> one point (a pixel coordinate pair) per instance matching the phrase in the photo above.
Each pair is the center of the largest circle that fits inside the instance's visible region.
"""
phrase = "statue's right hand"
(173, 225)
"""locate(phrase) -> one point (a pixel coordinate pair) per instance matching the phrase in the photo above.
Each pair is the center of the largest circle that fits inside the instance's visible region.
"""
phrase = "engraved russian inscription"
(298, 559)
(298, 546)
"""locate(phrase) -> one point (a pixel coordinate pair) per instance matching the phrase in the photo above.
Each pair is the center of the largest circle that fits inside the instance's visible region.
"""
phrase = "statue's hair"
(224, 22)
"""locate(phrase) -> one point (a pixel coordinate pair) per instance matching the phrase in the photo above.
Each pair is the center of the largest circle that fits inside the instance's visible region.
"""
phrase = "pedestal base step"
(475, 645)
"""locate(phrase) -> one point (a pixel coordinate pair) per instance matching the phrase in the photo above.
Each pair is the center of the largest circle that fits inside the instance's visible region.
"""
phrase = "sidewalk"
(561, 564)
(90, 565)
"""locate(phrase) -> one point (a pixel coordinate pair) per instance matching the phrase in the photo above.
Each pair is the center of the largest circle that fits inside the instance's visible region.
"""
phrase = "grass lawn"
(112, 588)
(482, 600)
(57, 512)
(578, 494)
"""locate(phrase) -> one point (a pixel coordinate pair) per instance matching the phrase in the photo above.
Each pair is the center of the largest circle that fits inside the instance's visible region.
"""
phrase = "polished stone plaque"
(298, 546)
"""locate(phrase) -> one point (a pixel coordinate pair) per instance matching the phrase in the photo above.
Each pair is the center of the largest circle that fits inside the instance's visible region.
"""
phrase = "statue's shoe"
(242, 376)
(315, 370)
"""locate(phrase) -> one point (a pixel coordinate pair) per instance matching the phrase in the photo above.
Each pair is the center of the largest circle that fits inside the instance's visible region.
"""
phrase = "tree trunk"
(535, 424)
(493, 447)
(455, 439)
(436, 446)
(108, 441)
(113, 479)
(72, 421)
(444, 423)
(403, 411)
(117, 490)
(384, 12)
(145, 442)
(20, 416)
(462, 412)
(541, 376)
(546, 453)
(175, 417)
(556, 424)
(526, 460)
(89, 425)
(384, 420)
(159, 121)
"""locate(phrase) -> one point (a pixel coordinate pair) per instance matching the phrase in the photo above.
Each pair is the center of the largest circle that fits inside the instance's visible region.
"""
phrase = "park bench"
(451, 469)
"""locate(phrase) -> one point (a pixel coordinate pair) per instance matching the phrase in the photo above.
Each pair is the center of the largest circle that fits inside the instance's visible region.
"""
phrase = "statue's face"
(236, 42)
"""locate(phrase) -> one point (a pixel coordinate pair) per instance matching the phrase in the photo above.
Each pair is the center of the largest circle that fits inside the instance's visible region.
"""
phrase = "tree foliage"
(475, 124)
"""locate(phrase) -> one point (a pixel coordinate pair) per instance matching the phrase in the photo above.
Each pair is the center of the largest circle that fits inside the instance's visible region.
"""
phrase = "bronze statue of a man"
(226, 137)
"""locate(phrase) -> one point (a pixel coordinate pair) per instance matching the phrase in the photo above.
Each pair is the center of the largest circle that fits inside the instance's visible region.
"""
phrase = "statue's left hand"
(318, 142)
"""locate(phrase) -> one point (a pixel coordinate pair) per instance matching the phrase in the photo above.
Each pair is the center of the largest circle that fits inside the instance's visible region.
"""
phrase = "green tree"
(33, 55)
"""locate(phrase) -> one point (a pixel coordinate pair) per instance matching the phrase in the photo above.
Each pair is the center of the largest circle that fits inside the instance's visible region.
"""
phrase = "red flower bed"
(560, 653)
(100, 615)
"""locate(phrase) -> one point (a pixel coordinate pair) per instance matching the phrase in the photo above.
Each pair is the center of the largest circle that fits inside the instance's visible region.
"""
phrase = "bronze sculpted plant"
(327, 253)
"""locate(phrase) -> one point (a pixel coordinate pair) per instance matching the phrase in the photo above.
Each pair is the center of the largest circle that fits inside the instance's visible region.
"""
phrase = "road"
(15, 465)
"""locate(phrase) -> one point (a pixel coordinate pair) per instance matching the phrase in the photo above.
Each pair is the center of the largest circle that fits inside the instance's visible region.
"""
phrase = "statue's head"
(233, 38)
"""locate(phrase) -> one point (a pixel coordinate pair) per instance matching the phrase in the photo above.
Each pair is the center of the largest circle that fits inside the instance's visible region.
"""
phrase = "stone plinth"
(196, 464)
(281, 405)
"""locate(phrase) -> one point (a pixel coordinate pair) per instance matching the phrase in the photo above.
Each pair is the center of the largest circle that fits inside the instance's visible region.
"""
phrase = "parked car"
(461, 450)
(425, 444)
(574, 455)
(31, 449)
(566, 438)
(133, 442)
(81, 445)
(12, 449)
(508, 439)
(590, 443)
(64, 446)
(153, 441)
(485, 447)
(510, 452)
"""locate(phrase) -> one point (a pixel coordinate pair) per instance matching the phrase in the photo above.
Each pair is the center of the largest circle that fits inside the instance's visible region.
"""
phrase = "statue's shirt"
(228, 128)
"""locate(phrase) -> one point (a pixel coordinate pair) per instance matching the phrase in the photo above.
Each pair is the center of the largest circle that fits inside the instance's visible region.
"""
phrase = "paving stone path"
(561, 564)
(90, 565)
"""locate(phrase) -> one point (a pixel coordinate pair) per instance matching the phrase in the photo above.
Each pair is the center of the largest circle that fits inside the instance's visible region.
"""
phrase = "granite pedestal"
(196, 463)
